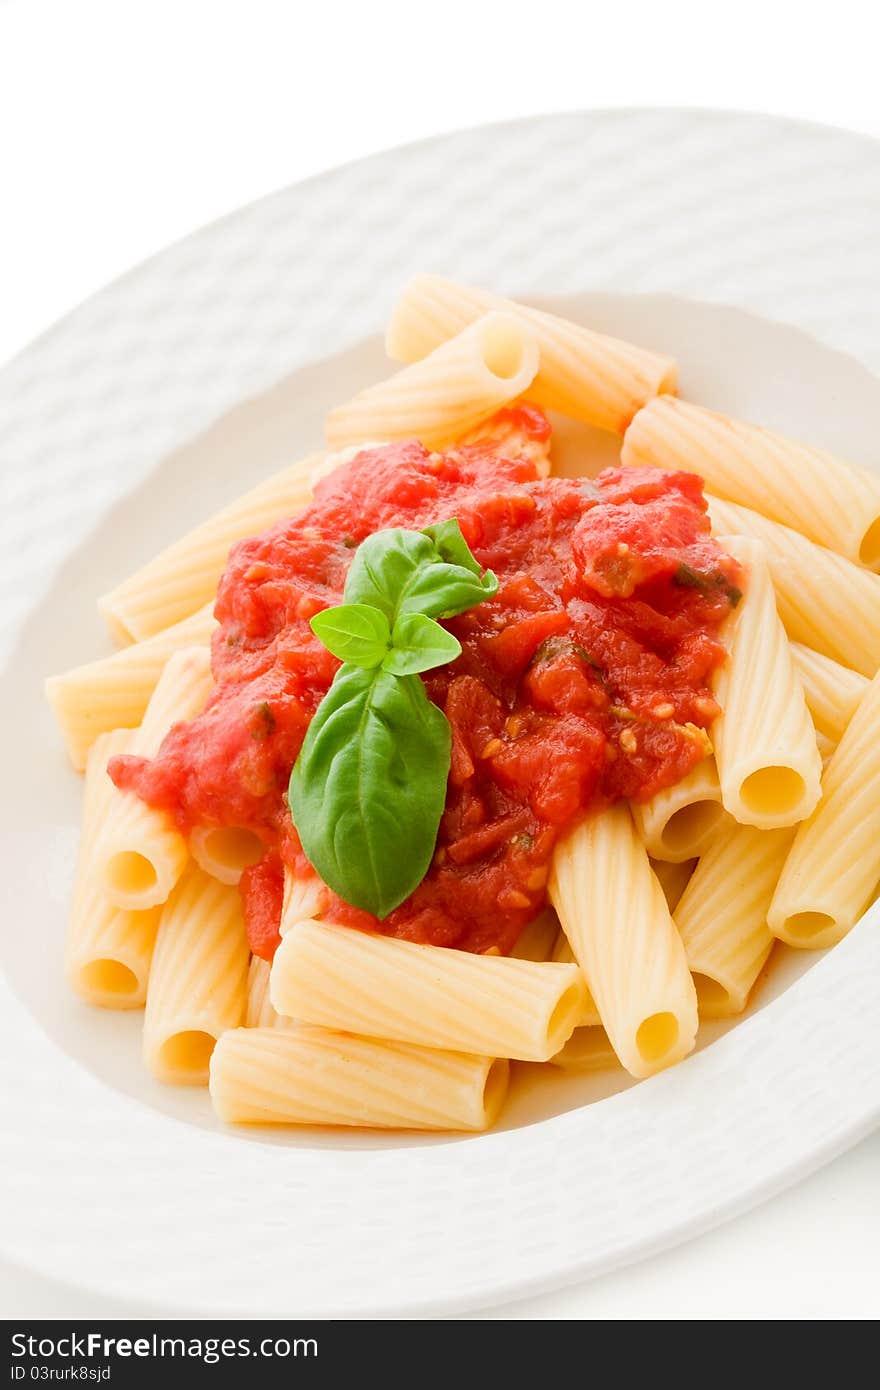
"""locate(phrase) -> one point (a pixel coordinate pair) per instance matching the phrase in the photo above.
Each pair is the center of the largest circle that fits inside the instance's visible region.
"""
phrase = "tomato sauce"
(585, 679)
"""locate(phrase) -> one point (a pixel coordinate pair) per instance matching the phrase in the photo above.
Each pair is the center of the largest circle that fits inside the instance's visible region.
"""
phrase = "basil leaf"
(354, 632)
(369, 786)
(451, 544)
(419, 644)
(400, 571)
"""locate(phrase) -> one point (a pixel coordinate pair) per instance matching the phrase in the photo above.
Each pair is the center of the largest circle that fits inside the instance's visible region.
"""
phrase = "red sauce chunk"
(585, 679)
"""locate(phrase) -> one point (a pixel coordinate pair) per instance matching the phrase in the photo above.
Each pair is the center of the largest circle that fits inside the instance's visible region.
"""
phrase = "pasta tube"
(537, 940)
(765, 743)
(722, 915)
(225, 851)
(585, 375)
(113, 693)
(588, 1017)
(259, 1012)
(588, 1049)
(833, 691)
(184, 576)
(673, 879)
(830, 875)
(834, 503)
(140, 852)
(198, 981)
(824, 601)
(679, 821)
(311, 1076)
(493, 1006)
(108, 952)
(454, 388)
(615, 917)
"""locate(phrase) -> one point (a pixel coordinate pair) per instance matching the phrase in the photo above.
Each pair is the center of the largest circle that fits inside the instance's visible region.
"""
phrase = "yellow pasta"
(312, 1076)
(225, 851)
(615, 917)
(722, 915)
(537, 940)
(765, 743)
(184, 576)
(140, 853)
(454, 388)
(108, 951)
(585, 375)
(588, 1049)
(199, 979)
(673, 879)
(827, 499)
(113, 693)
(302, 899)
(259, 1012)
(588, 1015)
(678, 822)
(824, 601)
(832, 871)
(490, 1005)
(833, 691)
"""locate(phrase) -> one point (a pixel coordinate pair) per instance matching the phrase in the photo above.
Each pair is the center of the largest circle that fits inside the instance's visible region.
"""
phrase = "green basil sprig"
(369, 786)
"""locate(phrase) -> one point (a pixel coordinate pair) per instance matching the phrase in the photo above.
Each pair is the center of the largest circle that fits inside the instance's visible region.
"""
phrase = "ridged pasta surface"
(825, 498)
(585, 375)
(429, 995)
(679, 821)
(183, 577)
(833, 867)
(198, 981)
(314, 1076)
(768, 763)
(824, 600)
(833, 691)
(614, 914)
(446, 394)
(722, 914)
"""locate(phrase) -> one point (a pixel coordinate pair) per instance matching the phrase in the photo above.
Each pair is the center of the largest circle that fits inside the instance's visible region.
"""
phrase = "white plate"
(647, 224)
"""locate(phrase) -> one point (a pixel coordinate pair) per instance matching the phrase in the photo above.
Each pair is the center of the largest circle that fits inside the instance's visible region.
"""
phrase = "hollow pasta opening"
(805, 926)
(131, 873)
(869, 550)
(656, 1036)
(689, 828)
(712, 997)
(772, 791)
(231, 848)
(502, 350)
(188, 1054)
(108, 977)
(495, 1088)
(562, 1017)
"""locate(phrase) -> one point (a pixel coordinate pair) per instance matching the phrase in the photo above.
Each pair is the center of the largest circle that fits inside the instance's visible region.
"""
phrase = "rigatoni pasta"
(198, 981)
(427, 995)
(615, 917)
(113, 693)
(586, 375)
(768, 763)
(313, 1076)
(825, 601)
(833, 867)
(678, 822)
(722, 915)
(823, 497)
(109, 949)
(832, 691)
(140, 853)
(452, 390)
(184, 576)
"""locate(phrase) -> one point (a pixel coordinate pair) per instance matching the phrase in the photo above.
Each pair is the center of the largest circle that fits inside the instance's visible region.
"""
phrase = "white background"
(126, 125)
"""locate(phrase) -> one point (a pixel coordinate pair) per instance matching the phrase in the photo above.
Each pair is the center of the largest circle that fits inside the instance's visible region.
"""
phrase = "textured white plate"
(213, 358)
